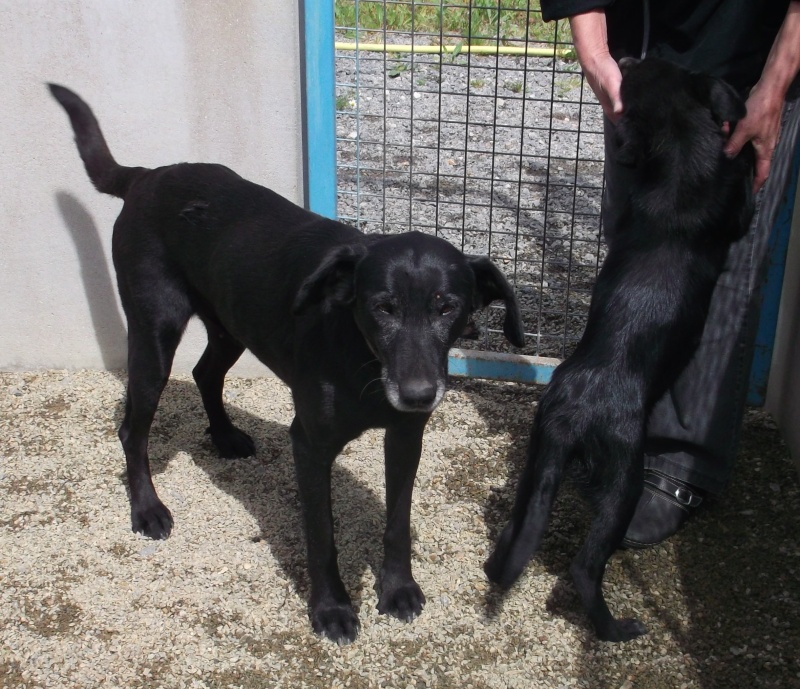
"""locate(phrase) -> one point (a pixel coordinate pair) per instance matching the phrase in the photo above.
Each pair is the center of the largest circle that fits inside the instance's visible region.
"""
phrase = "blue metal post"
(320, 107)
(771, 293)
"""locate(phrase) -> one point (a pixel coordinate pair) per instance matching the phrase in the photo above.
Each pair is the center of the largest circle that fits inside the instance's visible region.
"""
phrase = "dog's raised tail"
(106, 174)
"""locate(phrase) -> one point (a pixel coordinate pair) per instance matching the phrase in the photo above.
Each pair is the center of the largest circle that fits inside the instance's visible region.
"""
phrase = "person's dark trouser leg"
(693, 430)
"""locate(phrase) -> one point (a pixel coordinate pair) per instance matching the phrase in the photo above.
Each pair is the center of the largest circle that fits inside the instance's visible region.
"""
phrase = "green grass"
(477, 22)
(345, 101)
(565, 84)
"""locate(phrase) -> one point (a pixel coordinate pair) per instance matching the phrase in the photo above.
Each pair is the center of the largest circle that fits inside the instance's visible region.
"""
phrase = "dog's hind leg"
(622, 482)
(400, 596)
(522, 536)
(220, 354)
(153, 336)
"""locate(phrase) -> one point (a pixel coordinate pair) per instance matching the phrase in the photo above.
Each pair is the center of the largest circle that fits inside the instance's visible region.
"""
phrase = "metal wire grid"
(501, 155)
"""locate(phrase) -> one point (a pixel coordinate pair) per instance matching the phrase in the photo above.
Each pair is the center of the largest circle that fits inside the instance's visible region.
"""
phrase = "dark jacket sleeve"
(560, 9)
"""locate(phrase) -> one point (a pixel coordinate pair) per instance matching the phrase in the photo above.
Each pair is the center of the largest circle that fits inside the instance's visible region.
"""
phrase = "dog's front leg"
(400, 595)
(332, 613)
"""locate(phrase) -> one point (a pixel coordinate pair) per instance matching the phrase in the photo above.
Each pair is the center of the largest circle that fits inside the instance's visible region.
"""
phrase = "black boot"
(664, 507)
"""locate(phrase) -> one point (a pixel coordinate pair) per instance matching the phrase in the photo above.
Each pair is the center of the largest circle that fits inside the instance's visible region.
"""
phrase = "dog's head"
(672, 130)
(412, 296)
(664, 104)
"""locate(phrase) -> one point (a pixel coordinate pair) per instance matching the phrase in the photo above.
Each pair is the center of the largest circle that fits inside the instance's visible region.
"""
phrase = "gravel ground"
(221, 604)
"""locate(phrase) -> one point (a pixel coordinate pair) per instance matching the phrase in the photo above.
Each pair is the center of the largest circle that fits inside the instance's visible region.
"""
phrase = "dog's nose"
(418, 392)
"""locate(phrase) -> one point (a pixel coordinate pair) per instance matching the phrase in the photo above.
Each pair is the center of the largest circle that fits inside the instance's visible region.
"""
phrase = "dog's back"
(206, 213)
(687, 203)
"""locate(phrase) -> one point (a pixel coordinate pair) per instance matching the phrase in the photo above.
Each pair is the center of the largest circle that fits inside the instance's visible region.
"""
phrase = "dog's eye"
(385, 307)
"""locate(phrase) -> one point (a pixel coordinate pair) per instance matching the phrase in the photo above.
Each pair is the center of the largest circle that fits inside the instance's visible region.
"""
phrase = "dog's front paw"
(405, 601)
(337, 622)
(621, 630)
(153, 520)
(232, 443)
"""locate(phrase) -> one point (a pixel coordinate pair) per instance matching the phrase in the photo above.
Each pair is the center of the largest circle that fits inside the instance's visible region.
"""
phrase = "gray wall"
(169, 81)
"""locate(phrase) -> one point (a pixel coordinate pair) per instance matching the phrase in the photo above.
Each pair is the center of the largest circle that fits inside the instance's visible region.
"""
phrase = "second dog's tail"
(536, 492)
(106, 174)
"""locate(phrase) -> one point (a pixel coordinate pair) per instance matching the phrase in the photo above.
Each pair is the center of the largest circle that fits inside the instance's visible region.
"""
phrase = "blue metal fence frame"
(319, 133)
(320, 168)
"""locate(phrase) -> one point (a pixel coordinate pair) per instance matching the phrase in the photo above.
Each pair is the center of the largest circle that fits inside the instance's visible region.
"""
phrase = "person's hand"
(590, 37)
(605, 79)
(761, 126)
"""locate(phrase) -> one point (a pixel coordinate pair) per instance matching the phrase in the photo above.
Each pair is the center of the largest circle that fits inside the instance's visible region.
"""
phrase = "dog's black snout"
(418, 392)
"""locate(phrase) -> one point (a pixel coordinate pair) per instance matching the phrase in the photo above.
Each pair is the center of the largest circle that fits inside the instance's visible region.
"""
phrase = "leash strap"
(645, 27)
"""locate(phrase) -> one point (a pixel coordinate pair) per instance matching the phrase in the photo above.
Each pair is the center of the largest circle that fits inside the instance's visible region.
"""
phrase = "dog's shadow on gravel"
(265, 486)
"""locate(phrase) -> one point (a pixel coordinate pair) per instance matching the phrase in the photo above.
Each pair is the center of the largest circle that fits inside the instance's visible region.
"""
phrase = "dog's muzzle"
(417, 395)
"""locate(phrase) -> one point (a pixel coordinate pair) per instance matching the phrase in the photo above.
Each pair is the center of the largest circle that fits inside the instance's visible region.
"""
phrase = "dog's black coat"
(358, 326)
(648, 310)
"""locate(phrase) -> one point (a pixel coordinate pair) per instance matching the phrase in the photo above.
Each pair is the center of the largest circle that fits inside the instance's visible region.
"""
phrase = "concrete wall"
(169, 81)
(783, 392)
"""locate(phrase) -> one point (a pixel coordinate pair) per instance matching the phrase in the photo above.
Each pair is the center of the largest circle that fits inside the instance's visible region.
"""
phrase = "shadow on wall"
(109, 327)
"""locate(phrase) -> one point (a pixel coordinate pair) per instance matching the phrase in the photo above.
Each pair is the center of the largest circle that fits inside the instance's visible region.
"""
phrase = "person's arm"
(590, 36)
(762, 124)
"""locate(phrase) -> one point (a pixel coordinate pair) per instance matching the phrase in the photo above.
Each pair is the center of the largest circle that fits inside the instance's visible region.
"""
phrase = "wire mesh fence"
(470, 120)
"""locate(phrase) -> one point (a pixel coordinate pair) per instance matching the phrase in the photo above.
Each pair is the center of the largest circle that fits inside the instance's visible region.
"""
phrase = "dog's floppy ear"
(722, 99)
(333, 280)
(630, 145)
(492, 285)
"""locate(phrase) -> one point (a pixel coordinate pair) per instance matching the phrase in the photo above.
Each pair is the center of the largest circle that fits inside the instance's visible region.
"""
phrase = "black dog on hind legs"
(359, 327)
(688, 203)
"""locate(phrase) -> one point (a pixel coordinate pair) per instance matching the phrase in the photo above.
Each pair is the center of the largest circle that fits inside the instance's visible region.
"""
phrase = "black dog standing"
(649, 305)
(359, 327)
